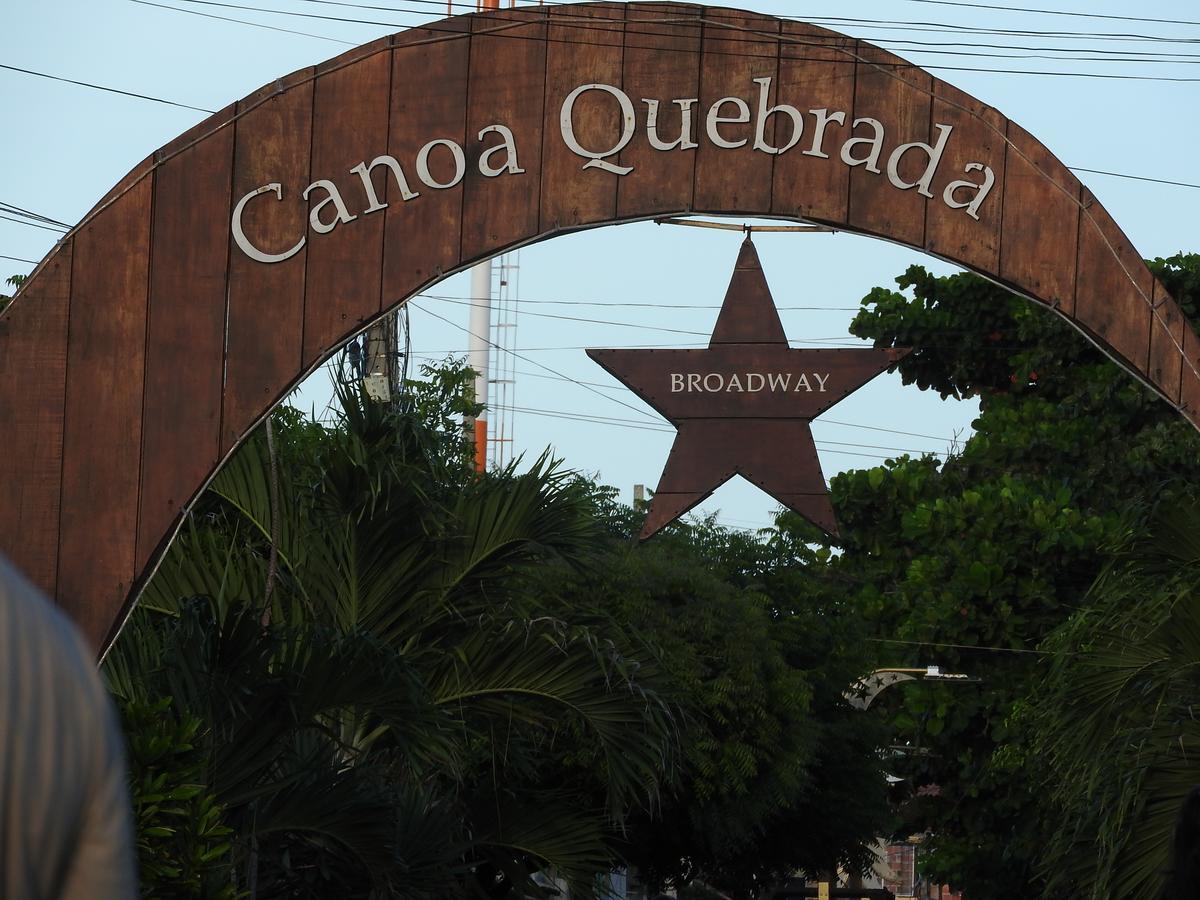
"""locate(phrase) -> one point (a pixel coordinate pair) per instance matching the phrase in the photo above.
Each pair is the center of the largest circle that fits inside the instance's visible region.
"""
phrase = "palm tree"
(1120, 735)
(384, 708)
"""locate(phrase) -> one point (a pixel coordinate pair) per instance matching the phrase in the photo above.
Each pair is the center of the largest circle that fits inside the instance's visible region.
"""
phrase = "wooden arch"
(149, 343)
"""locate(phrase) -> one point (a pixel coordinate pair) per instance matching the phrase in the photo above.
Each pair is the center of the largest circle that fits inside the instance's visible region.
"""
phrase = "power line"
(1136, 177)
(1056, 12)
(99, 87)
(959, 646)
(704, 334)
(642, 305)
(754, 38)
(894, 25)
(56, 229)
(394, 25)
(893, 42)
(26, 213)
(642, 327)
(821, 421)
(32, 262)
(628, 423)
(196, 12)
(471, 7)
(538, 364)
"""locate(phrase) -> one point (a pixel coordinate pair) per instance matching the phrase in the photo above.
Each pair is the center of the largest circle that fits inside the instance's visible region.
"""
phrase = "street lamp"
(866, 689)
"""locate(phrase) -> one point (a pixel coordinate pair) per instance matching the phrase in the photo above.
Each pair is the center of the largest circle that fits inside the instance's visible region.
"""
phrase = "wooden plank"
(132, 177)
(33, 371)
(977, 139)
(584, 46)
(344, 267)
(218, 121)
(102, 433)
(423, 236)
(506, 86)
(736, 48)
(266, 300)
(1166, 344)
(1113, 287)
(662, 62)
(816, 72)
(1041, 222)
(1189, 389)
(185, 340)
(893, 92)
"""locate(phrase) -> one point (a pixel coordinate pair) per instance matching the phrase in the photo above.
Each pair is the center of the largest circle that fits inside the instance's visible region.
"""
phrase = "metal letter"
(363, 171)
(684, 141)
(760, 125)
(239, 236)
(594, 159)
(510, 145)
(876, 142)
(314, 217)
(715, 118)
(823, 119)
(981, 190)
(935, 156)
(460, 163)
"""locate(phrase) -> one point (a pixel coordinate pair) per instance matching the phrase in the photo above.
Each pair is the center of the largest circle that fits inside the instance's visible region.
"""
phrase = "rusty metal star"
(744, 405)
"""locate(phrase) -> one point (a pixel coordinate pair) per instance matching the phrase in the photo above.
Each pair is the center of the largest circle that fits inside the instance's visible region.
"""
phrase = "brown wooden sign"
(229, 263)
(744, 405)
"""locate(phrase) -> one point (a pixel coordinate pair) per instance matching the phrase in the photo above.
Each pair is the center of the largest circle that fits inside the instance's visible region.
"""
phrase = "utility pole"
(479, 332)
(379, 351)
(479, 353)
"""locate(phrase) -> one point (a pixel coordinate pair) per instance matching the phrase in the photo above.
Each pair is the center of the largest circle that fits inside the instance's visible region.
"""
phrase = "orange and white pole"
(479, 347)
(479, 352)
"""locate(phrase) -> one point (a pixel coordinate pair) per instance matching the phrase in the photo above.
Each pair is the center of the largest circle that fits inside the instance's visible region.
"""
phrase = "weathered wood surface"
(147, 344)
(33, 378)
(102, 434)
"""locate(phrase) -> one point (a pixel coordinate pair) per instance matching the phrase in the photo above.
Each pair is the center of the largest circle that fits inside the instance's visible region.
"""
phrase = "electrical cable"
(667, 428)
(55, 228)
(99, 87)
(471, 7)
(196, 12)
(821, 421)
(1056, 12)
(592, 27)
(959, 646)
(437, 2)
(32, 262)
(17, 210)
(546, 368)
(1135, 177)
(639, 305)
(626, 423)
(704, 334)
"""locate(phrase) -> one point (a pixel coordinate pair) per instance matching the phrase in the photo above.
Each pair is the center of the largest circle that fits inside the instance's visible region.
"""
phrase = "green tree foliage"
(1115, 732)
(182, 845)
(387, 719)
(777, 772)
(458, 681)
(998, 545)
(14, 281)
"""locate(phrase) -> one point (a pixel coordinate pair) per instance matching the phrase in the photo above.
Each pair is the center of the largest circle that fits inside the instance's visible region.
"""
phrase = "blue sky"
(66, 145)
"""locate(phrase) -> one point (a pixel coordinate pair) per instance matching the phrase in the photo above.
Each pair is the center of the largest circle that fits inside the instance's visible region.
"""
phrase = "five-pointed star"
(745, 404)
